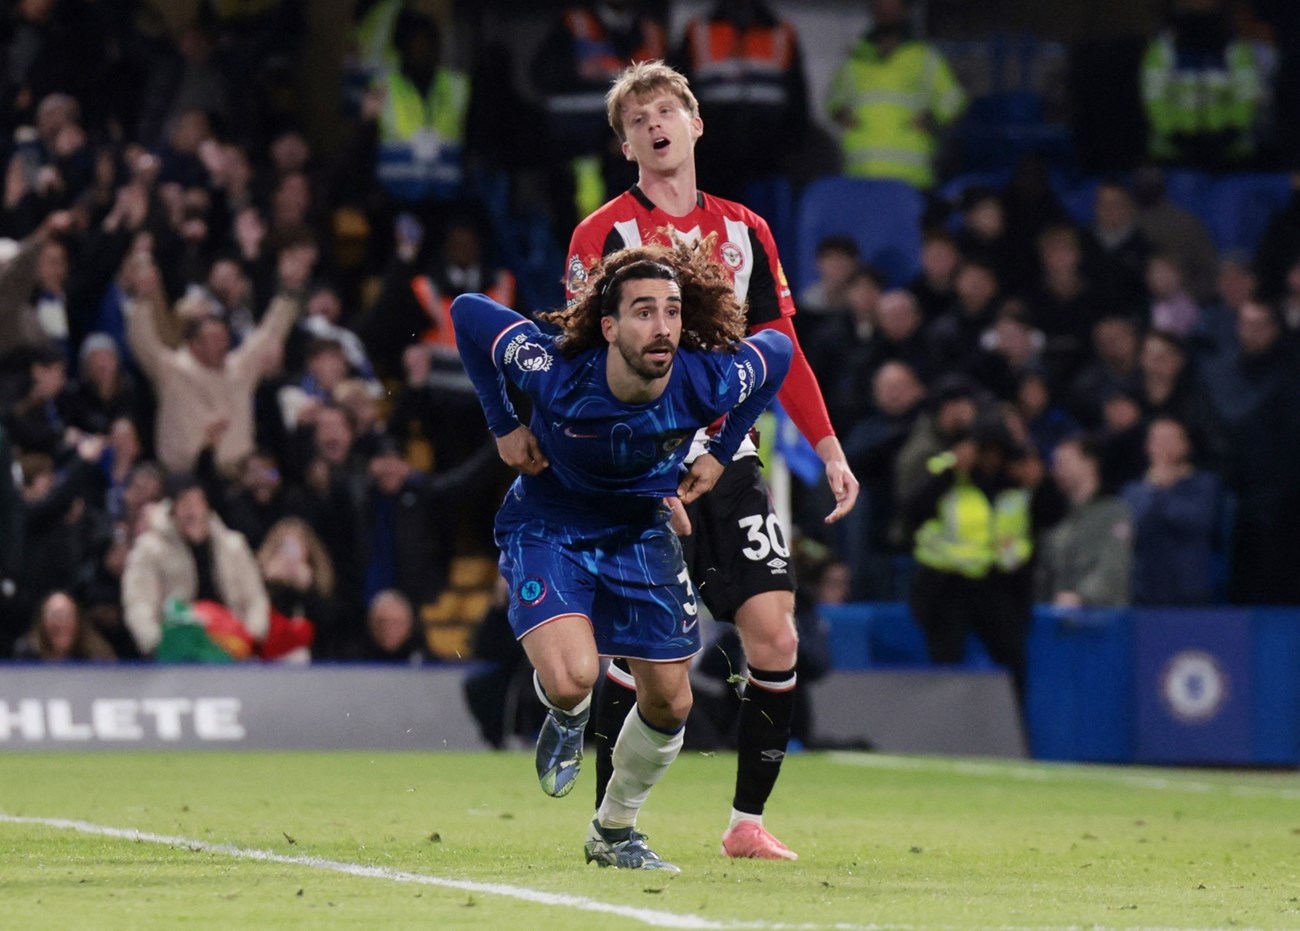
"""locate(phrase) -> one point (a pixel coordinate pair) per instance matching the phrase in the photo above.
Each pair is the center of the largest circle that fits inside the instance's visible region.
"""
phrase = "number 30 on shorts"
(766, 536)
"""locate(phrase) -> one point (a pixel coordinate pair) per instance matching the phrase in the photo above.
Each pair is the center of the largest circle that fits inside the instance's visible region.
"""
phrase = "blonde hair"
(641, 80)
(322, 567)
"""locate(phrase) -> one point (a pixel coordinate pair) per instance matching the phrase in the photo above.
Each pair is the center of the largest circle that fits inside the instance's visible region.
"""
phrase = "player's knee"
(568, 686)
(666, 712)
(776, 649)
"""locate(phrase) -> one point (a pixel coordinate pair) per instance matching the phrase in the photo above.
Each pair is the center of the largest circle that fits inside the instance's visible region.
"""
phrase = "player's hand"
(678, 519)
(844, 485)
(703, 475)
(519, 450)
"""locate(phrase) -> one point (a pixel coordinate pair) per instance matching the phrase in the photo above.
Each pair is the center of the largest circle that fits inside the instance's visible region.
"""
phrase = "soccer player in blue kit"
(651, 351)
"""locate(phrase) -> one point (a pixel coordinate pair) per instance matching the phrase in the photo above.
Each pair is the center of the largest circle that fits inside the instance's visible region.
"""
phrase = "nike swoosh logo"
(568, 431)
(687, 627)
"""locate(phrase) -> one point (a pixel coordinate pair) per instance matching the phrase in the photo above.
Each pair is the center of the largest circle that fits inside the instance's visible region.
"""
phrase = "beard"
(642, 365)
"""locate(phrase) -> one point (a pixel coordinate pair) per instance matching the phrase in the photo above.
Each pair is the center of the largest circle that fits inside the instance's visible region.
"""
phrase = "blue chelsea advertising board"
(1193, 686)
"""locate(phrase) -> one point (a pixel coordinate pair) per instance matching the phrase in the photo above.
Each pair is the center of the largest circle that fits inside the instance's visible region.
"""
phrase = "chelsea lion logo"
(531, 591)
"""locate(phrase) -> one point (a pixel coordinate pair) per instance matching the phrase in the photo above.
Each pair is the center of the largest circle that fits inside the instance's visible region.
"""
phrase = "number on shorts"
(771, 540)
(689, 606)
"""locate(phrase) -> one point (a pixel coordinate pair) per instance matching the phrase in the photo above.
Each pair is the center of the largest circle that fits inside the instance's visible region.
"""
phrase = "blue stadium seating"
(1239, 206)
(1190, 189)
(884, 217)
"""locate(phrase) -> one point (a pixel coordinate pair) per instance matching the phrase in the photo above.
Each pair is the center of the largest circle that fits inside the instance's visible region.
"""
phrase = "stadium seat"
(1079, 198)
(883, 217)
(1239, 207)
(1190, 190)
(772, 198)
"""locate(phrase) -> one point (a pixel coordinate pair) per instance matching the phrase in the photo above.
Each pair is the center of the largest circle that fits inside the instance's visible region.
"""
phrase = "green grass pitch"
(441, 840)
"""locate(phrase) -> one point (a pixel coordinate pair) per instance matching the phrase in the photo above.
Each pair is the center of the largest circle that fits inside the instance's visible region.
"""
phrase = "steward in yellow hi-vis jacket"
(892, 96)
(974, 520)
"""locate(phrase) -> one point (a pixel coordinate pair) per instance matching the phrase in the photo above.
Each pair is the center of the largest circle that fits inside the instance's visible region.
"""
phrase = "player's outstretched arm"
(479, 321)
(769, 352)
(844, 485)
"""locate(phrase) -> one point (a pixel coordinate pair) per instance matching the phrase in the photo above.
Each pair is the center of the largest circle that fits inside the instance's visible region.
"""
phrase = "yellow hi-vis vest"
(422, 135)
(971, 535)
(888, 97)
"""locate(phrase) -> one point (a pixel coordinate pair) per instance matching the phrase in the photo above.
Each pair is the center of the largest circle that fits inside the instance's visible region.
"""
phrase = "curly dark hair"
(712, 316)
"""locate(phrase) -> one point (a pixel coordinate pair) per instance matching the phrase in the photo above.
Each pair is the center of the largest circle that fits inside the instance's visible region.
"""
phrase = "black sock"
(764, 733)
(613, 701)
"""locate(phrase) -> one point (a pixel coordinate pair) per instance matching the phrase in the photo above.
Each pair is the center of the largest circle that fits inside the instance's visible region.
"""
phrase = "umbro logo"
(776, 563)
(773, 756)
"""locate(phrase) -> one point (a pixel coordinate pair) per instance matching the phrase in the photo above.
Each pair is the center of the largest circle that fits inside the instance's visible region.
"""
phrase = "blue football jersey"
(597, 445)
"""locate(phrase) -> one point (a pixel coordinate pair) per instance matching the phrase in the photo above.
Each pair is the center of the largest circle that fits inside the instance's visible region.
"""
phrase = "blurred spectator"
(415, 298)
(1046, 422)
(391, 634)
(39, 420)
(205, 380)
(1121, 440)
(257, 500)
(984, 236)
(1118, 250)
(954, 337)
(872, 445)
(583, 50)
(892, 97)
(50, 166)
(20, 329)
(188, 554)
(60, 522)
(1031, 207)
(1175, 509)
(1254, 393)
(1007, 350)
(1172, 308)
(323, 319)
(99, 592)
(837, 259)
(232, 292)
(1176, 232)
(954, 403)
(1200, 88)
(185, 77)
(1064, 304)
(104, 392)
(745, 65)
(408, 529)
(1169, 389)
(1114, 367)
(1086, 559)
(1235, 284)
(1280, 244)
(299, 578)
(60, 635)
(849, 334)
(146, 485)
(933, 286)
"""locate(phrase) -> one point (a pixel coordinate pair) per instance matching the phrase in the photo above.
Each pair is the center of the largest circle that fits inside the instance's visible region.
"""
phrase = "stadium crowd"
(227, 374)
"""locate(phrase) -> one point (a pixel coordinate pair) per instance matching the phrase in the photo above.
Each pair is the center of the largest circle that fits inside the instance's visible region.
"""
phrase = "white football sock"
(642, 755)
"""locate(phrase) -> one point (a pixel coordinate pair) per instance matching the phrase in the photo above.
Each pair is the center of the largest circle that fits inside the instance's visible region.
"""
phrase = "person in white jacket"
(187, 553)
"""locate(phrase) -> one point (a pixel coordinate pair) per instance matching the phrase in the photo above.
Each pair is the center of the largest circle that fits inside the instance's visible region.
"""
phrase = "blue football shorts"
(628, 579)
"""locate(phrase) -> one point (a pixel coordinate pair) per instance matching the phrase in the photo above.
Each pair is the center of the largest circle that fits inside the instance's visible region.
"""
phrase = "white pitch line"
(652, 917)
(1064, 772)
